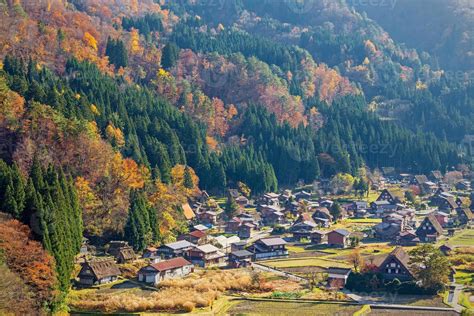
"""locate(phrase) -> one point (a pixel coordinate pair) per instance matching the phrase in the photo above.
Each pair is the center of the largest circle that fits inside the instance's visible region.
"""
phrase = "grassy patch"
(464, 301)
(296, 249)
(464, 277)
(307, 262)
(363, 220)
(463, 238)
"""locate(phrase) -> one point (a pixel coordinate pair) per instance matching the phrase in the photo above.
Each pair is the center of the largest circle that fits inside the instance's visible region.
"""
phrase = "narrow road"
(453, 298)
(265, 268)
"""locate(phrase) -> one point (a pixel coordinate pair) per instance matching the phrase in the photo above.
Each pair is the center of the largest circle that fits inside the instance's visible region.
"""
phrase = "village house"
(271, 218)
(338, 238)
(242, 201)
(322, 217)
(442, 218)
(225, 243)
(390, 196)
(114, 247)
(463, 185)
(206, 256)
(174, 249)
(303, 227)
(98, 272)
(462, 201)
(241, 245)
(207, 217)
(242, 226)
(188, 212)
(396, 266)
(319, 237)
(271, 199)
(203, 197)
(380, 208)
(150, 253)
(445, 201)
(156, 272)
(407, 238)
(419, 179)
(302, 195)
(125, 254)
(326, 203)
(269, 248)
(429, 230)
(196, 237)
(337, 277)
(240, 259)
(200, 227)
(464, 216)
(436, 176)
(428, 187)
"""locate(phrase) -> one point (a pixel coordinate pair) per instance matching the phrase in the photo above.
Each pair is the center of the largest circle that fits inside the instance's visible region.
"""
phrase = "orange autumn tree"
(28, 259)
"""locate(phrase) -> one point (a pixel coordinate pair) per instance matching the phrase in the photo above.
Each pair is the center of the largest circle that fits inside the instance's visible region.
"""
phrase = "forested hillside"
(446, 30)
(113, 113)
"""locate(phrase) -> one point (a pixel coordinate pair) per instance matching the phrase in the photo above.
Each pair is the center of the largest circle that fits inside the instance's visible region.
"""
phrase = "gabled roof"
(401, 255)
(421, 178)
(127, 253)
(272, 241)
(187, 211)
(197, 234)
(241, 253)
(201, 227)
(102, 268)
(339, 271)
(467, 212)
(434, 222)
(342, 232)
(179, 245)
(170, 264)
(208, 248)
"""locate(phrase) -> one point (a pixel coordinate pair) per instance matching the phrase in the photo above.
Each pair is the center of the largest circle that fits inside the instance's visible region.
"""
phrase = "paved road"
(454, 296)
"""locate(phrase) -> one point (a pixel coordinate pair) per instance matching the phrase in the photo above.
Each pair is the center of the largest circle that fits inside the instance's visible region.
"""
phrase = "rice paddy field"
(463, 238)
(290, 308)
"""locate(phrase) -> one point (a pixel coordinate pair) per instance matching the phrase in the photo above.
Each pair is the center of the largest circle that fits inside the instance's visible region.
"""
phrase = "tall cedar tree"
(138, 230)
(170, 55)
(188, 179)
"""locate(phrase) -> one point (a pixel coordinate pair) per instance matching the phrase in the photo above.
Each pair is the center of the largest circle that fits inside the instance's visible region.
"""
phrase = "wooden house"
(206, 256)
(337, 277)
(319, 237)
(390, 196)
(196, 237)
(429, 230)
(150, 253)
(396, 266)
(464, 216)
(115, 245)
(174, 249)
(98, 272)
(338, 238)
(125, 254)
(240, 259)
(269, 248)
(188, 212)
(156, 272)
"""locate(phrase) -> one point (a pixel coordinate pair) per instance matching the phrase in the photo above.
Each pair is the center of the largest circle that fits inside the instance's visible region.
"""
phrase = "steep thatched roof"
(101, 268)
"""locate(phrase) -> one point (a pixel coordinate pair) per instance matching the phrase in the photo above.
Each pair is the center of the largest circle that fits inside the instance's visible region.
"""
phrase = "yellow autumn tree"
(90, 40)
(177, 179)
(135, 47)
